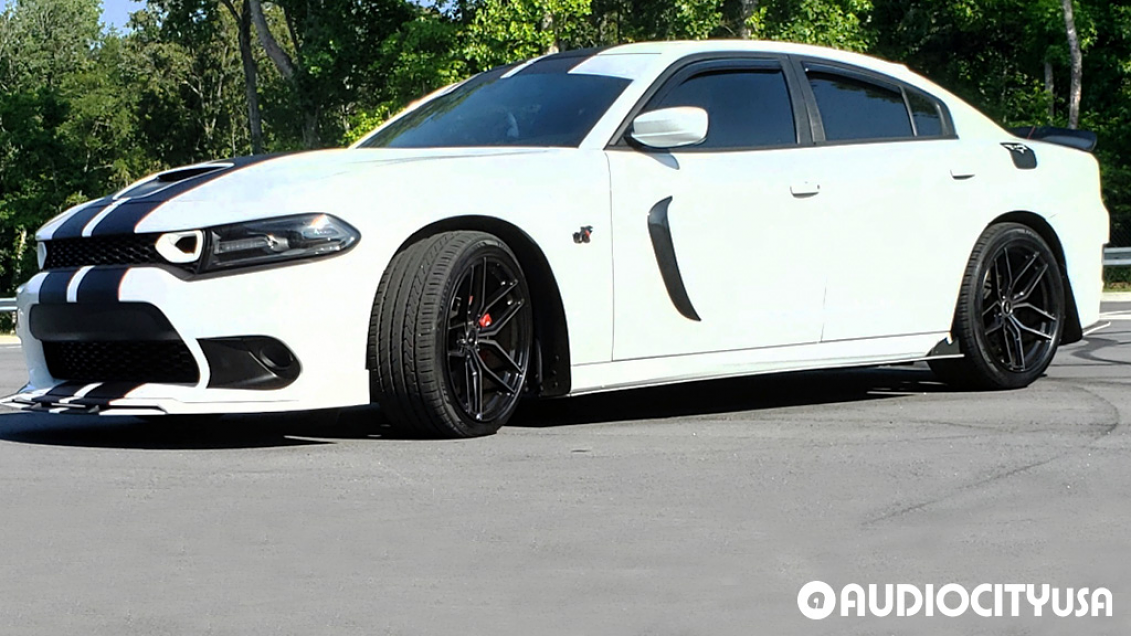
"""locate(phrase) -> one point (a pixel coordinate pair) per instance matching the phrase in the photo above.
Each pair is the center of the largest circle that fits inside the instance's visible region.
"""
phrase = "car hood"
(245, 188)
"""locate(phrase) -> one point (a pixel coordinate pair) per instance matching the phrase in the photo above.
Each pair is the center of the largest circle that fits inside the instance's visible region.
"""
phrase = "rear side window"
(747, 108)
(853, 109)
(928, 119)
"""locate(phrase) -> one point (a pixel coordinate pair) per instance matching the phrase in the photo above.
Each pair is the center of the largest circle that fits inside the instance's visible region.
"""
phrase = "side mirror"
(670, 127)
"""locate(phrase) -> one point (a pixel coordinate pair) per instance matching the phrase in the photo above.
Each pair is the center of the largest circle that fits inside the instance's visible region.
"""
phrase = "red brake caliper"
(485, 321)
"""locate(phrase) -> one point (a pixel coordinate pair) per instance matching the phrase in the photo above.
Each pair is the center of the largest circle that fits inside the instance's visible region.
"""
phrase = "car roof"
(677, 49)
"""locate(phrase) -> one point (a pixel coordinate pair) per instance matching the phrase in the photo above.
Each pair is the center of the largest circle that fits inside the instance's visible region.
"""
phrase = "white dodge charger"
(581, 222)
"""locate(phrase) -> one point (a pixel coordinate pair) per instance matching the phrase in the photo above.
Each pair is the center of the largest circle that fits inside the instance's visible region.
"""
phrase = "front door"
(719, 247)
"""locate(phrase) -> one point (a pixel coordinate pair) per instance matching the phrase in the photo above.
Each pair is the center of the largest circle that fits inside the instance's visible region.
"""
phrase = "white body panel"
(799, 258)
(746, 252)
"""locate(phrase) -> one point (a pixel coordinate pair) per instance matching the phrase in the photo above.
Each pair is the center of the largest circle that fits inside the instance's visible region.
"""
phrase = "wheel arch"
(1073, 331)
(551, 332)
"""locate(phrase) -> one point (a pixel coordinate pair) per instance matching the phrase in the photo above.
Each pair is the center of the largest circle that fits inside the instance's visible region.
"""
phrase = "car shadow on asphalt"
(215, 433)
(736, 395)
(714, 397)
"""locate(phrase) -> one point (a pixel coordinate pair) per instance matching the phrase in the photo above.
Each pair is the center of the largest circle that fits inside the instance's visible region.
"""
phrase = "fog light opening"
(257, 363)
(275, 356)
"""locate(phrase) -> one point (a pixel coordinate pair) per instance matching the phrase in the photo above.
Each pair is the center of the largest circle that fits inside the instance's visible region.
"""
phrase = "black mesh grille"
(123, 249)
(141, 362)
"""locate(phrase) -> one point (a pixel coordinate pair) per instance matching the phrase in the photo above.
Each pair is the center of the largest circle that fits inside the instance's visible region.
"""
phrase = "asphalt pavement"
(696, 509)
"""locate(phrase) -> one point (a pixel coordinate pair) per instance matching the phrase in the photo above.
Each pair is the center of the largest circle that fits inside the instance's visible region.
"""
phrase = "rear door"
(895, 184)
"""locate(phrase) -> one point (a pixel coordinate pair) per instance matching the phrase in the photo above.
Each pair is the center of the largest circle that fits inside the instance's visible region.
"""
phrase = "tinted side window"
(853, 109)
(747, 109)
(928, 121)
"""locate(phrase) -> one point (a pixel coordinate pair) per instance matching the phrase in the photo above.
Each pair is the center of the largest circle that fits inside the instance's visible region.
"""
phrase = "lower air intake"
(168, 362)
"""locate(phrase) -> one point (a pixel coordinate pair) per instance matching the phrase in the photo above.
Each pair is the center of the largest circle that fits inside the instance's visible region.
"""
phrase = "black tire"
(1010, 314)
(450, 336)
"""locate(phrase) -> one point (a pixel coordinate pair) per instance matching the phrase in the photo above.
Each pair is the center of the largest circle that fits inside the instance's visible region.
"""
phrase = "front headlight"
(277, 240)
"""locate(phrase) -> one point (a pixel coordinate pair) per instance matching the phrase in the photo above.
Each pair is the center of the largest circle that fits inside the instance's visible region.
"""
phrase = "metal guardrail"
(7, 305)
(1116, 256)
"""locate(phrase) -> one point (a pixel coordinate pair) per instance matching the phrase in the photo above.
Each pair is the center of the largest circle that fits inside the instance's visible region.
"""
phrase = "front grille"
(136, 361)
(120, 249)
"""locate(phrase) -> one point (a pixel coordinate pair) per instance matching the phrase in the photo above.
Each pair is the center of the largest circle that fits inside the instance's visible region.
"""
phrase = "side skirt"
(645, 372)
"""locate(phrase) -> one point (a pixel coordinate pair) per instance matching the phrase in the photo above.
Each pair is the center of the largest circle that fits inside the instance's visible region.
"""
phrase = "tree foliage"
(84, 109)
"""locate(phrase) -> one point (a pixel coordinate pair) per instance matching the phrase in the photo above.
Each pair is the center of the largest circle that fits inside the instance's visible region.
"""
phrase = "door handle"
(805, 189)
(962, 174)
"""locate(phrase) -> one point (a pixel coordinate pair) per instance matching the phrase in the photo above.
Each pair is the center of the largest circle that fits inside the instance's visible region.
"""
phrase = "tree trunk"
(278, 56)
(310, 137)
(287, 68)
(548, 26)
(250, 74)
(1050, 90)
(1077, 57)
(746, 9)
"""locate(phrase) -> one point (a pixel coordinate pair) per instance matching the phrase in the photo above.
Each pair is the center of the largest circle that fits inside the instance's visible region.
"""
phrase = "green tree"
(64, 124)
(505, 31)
(187, 76)
(841, 24)
(329, 47)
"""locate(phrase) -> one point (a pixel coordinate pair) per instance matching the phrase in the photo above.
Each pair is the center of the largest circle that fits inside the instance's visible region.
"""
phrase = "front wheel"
(450, 337)
(1010, 313)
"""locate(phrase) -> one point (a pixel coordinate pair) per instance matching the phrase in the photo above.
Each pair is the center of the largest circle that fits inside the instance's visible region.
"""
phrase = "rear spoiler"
(1078, 139)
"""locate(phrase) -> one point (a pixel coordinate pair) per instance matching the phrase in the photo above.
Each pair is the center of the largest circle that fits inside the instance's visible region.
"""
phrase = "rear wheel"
(450, 338)
(1010, 313)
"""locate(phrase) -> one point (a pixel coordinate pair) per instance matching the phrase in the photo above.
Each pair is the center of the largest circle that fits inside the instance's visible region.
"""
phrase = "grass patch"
(1117, 278)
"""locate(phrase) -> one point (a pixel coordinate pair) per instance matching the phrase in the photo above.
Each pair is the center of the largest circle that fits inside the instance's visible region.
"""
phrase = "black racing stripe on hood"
(101, 285)
(53, 290)
(125, 219)
(72, 227)
(561, 62)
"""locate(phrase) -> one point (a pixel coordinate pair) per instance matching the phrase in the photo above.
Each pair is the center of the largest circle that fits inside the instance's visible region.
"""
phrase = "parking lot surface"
(696, 509)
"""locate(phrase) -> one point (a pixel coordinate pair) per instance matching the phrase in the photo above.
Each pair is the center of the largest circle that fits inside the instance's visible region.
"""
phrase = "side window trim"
(802, 66)
(690, 66)
(940, 110)
(910, 112)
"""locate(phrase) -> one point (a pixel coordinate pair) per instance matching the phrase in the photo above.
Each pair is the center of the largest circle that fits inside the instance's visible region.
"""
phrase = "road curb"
(1117, 297)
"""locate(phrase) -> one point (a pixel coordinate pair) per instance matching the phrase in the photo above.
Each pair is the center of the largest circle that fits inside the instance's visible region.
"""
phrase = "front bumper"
(319, 310)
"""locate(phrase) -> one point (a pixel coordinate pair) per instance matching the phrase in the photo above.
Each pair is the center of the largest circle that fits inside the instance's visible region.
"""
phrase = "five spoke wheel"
(487, 350)
(1019, 307)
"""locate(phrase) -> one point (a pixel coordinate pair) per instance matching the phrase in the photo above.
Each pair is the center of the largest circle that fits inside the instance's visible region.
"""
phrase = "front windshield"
(546, 103)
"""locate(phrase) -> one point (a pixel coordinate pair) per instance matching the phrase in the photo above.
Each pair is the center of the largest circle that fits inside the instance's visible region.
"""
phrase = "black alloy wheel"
(1021, 308)
(488, 343)
(1010, 314)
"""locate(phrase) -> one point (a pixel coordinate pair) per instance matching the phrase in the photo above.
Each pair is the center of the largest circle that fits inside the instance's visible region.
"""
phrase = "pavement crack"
(1116, 418)
(962, 489)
